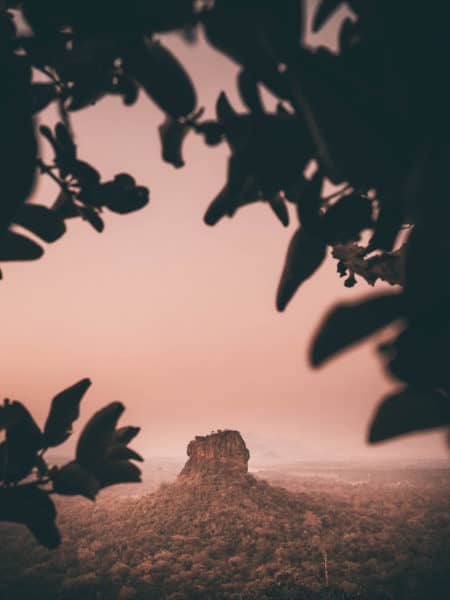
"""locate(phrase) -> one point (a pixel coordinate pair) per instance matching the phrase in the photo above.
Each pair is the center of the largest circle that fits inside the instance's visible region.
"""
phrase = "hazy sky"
(176, 319)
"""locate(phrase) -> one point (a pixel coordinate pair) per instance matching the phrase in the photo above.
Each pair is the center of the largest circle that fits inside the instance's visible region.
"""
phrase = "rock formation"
(222, 454)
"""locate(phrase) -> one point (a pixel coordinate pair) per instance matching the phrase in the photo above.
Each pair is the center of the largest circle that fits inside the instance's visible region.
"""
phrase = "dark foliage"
(349, 323)
(27, 480)
(373, 116)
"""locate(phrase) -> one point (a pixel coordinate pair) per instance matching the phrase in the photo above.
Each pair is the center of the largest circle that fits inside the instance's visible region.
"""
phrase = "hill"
(218, 532)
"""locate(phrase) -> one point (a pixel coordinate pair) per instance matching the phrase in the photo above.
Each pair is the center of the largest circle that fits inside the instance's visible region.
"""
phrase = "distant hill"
(218, 532)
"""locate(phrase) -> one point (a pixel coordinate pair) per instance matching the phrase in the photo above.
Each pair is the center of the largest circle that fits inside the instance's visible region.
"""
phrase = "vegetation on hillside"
(382, 538)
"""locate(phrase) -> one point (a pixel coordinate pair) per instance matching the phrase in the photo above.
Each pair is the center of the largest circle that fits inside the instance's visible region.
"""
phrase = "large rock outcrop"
(222, 453)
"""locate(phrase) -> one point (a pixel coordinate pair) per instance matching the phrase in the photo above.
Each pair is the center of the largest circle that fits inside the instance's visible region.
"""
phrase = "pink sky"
(176, 319)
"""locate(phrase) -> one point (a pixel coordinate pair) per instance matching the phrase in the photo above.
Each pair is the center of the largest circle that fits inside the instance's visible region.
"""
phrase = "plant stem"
(48, 170)
(49, 74)
(337, 193)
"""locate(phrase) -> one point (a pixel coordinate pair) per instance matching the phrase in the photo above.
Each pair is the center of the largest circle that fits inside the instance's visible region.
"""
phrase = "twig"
(43, 480)
(337, 193)
(48, 170)
(65, 115)
(49, 74)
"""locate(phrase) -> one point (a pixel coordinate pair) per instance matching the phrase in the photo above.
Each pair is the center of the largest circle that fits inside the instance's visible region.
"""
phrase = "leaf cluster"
(27, 481)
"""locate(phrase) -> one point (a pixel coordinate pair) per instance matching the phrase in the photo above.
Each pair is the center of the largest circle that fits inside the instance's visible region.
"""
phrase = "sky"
(176, 319)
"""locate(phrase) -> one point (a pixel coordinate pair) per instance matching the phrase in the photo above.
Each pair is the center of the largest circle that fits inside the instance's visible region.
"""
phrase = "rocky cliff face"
(223, 453)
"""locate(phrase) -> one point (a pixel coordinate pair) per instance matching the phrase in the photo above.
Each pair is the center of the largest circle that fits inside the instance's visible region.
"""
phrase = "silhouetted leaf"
(229, 17)
(278, 205)
(90, 215)
(346, 34)
(65, 141)
(388, 224)
(14, 246)
(65, 409)
(122, 201)
(72, 479)
(256, 35)
(48, 134)
(234, 126)
(64, 206)
(40, 220)
(351, 322)
(340, 127)
(218, 208)
(18, 451)
(426, 280)
(97, 435)
(111, 20)
(125, 181)
(88, 89)
(323, 12)
(85, 173)
(344, 220)
(10, 413)
(419, 355)
(162, 77)
(249, 92)
(284, 25)
(88, 59)
(307, 197)
(276, 151)
(212, 132)
(172, 134)
(282, 111)
(409, 410)
(63, 146)
(124, 435)
(235, 194)
(111, 472)
(127, 87)
(17, 140)
(42, 95)
(7, 24)
(32, 507)
(120, 452)
(304, 256)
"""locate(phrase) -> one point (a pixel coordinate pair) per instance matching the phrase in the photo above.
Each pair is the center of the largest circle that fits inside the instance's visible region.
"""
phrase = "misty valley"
(211, 529)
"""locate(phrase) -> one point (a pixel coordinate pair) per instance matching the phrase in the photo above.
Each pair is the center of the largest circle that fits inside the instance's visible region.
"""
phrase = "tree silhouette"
(373, 117)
